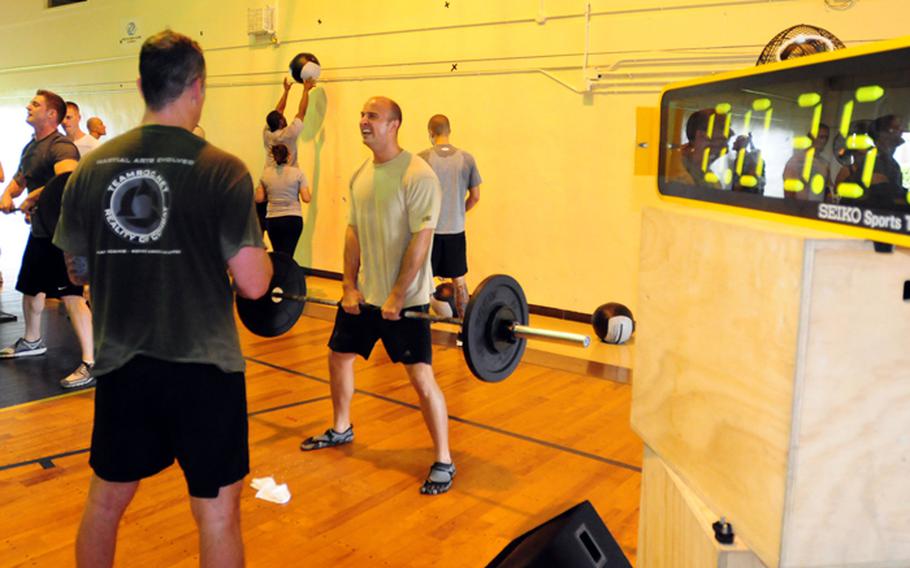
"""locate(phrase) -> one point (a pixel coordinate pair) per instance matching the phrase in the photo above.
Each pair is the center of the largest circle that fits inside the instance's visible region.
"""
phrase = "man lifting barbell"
(493, 328)
(394, 208)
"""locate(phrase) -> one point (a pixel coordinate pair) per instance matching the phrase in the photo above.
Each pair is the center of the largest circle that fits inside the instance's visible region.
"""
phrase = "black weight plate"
(489, 356)
(268, 316)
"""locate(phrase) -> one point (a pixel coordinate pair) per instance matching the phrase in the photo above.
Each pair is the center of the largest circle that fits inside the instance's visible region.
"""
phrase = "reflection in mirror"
(795, 139)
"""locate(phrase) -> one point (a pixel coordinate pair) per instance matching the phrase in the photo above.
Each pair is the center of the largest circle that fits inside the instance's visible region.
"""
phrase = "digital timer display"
(820, 139)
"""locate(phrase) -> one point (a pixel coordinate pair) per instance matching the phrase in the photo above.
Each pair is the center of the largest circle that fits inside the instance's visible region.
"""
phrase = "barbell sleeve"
(519, 330)
(552, 335)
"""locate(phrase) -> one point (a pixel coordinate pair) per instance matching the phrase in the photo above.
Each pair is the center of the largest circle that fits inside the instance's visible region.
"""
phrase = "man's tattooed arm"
(76, 268)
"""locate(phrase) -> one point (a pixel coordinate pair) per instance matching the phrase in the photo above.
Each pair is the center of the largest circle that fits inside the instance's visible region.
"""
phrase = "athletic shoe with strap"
(23, 348)
(329, 439)
(81, 377)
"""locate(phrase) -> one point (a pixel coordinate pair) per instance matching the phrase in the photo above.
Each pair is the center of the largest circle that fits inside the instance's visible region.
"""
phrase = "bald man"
(394, 209)
(96, 127)
(460, 182)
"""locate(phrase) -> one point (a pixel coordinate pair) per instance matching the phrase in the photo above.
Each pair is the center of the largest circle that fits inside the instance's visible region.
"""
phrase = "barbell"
(494, 329)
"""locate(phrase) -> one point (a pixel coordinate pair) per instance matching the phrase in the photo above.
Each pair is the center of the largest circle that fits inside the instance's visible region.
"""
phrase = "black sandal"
(439, 479)
(329, 439)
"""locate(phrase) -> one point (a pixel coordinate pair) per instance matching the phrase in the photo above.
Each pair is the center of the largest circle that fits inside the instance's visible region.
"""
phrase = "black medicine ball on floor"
(304, 66)
(613, 323)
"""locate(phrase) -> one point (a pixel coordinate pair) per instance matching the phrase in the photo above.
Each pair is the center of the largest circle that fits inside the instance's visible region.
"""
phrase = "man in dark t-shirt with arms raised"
(154, 220)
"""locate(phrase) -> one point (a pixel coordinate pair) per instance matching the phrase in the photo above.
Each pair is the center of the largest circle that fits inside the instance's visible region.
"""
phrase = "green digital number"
(859, 142)
(758, 105)
(720, 110)
(806, 143)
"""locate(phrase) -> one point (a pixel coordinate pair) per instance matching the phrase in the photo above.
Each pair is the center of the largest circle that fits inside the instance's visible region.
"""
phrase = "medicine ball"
(613, 323)
(442, 302)
(304, 66)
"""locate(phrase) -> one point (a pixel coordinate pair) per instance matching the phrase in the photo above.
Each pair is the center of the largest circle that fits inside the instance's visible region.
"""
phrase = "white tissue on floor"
(268, 490)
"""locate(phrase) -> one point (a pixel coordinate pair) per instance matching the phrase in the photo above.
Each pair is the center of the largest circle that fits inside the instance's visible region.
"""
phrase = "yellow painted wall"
(560, 204)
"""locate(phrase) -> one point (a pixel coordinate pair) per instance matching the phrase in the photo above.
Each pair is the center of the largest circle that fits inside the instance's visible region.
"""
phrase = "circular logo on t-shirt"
(136, 205)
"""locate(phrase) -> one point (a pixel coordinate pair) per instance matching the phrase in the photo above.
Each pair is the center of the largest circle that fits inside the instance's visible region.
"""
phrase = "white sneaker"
(81, 377)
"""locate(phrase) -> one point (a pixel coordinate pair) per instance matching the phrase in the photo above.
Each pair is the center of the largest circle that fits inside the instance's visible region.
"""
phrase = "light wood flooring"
(526, 449)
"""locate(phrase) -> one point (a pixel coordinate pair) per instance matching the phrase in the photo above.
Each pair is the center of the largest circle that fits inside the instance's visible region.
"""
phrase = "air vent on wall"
(261, 21)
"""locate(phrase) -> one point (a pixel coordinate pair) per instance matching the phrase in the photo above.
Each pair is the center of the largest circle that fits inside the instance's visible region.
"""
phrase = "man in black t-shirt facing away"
(43, 272)
(156, 220)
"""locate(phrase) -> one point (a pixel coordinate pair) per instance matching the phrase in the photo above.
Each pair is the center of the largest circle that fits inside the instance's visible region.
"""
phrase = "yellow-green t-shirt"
(389, 203)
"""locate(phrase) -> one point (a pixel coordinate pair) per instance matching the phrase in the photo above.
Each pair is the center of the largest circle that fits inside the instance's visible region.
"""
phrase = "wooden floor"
(526, 449)
(32, 378)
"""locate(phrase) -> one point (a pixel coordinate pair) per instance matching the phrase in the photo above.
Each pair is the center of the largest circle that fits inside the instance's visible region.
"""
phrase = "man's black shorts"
(150, 412)
(44, 270)
(406, 340)
(449, 257)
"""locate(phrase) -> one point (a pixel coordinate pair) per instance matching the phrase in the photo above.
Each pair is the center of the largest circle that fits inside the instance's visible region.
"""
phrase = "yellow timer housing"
(816, 141)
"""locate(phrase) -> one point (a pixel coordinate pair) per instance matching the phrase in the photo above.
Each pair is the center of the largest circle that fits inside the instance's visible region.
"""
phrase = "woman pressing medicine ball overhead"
(283, 183)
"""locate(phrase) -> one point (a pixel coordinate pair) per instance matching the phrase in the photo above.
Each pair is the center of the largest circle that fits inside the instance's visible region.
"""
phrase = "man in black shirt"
(43, 271)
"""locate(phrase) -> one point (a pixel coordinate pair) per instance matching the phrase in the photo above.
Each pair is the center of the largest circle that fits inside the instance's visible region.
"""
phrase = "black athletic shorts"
(406, 340)
(44, 270)
(150, 412)
(449, 257)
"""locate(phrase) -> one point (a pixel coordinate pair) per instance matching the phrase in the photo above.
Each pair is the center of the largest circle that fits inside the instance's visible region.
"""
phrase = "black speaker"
(577, 537)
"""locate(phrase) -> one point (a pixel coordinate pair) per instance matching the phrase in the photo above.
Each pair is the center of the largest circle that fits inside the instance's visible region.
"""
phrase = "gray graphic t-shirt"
(158, 212)
(457, 172)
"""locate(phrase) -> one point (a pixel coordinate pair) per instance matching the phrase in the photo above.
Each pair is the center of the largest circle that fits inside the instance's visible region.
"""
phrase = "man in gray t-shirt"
(460, 181)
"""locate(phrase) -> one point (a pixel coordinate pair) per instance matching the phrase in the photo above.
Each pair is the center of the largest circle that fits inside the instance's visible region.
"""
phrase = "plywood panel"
(849, 501)
(715, 360)
(675, 526)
